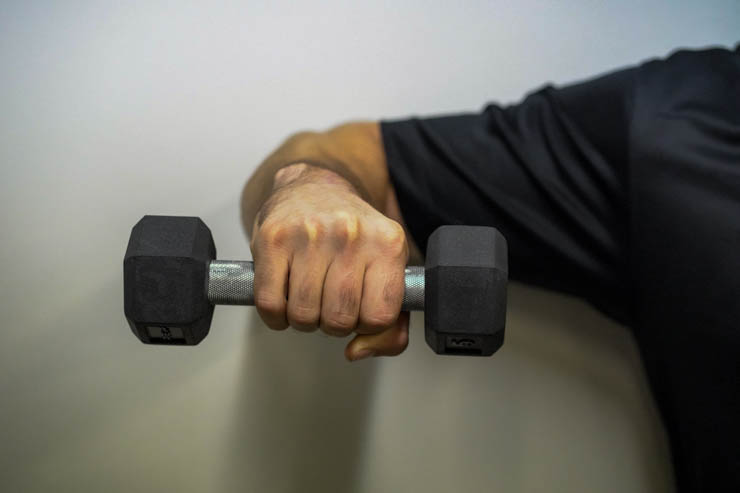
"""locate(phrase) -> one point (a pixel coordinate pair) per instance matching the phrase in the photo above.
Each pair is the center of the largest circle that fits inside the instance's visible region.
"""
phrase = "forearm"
(352, 151)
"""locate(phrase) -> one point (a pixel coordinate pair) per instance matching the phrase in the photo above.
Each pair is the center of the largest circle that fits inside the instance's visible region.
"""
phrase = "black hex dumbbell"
(172, 281)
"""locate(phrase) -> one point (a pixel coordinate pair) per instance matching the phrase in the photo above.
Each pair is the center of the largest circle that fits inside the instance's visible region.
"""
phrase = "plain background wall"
(112, 111)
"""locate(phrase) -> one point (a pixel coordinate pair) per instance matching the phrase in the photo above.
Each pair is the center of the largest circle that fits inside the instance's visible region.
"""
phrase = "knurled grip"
(231, 282)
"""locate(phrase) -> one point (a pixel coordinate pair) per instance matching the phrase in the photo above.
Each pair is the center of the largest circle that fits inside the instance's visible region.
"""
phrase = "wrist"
(304, 172)
(288, 174)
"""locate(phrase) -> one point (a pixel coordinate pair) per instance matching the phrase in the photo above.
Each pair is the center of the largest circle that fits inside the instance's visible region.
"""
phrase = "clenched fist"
(324, 258)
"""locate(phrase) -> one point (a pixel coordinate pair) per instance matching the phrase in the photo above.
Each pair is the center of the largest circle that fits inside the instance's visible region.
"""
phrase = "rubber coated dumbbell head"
(465, 290)
(164, 277)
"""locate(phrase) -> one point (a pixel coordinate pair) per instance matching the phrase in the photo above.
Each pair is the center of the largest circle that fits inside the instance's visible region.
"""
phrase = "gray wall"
(109, 112)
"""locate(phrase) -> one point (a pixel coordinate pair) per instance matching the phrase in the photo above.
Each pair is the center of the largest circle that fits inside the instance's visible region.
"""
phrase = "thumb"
(390, 342)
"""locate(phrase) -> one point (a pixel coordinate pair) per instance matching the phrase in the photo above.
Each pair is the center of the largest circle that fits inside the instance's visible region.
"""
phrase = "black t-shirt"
(623, 190)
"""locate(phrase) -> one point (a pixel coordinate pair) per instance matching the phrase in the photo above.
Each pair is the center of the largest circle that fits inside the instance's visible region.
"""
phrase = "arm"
(549, 172)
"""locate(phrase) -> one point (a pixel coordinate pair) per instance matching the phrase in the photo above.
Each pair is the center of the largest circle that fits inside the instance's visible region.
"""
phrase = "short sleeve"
(548, 172)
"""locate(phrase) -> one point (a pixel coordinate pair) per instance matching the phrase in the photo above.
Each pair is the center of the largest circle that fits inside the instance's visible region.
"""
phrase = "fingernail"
(362, 354)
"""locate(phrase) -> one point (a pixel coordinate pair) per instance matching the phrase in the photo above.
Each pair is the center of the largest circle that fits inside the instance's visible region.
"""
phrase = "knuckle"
(312, 230)
(348, 298)
(394, 240)
(307, 292)
(379, 319)
(303, 316)
(267, 303)
(269, 228)
(345, 228)
(340, 310)
(343, 323)
(393, 288)
(274, 234)
(275, 324)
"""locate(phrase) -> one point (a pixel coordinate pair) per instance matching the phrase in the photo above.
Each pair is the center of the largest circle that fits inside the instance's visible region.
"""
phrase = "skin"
(328, 240)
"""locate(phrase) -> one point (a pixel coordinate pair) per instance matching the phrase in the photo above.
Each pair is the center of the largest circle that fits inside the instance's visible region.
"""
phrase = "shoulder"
(683, 61)
(709, 78)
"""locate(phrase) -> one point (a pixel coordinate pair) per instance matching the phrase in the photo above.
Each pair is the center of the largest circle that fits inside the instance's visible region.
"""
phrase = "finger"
(305, 285)
(382, 295)
(270, 288)
(340, 304)
(390, 342)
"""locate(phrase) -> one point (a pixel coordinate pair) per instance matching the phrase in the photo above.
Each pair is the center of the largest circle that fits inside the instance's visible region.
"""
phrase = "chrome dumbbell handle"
(231, 282)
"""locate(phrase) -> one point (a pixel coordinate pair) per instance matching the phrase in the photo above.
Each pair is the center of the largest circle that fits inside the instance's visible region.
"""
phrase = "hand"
(325, 258)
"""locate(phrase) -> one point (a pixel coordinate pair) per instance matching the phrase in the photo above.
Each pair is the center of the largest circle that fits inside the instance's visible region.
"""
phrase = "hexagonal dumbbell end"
(465, 292)
(164, 280)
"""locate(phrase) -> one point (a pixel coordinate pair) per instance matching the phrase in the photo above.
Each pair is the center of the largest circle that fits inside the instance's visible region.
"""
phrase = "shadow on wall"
(565, 335)
(564, 378)
(301, 414)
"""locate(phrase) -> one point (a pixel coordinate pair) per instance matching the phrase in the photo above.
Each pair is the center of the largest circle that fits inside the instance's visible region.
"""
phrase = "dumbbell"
(172, 280)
